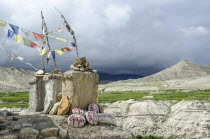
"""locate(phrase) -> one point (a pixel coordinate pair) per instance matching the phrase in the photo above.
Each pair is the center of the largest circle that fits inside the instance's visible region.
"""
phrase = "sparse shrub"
(149, 137)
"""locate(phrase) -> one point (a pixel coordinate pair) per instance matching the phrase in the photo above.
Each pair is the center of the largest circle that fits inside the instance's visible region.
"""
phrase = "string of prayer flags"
(14, 28)
(67, 49)
(53, 54)
(3, 23)
(38, 36)
(26, 42)
(10, 33)
(26, 32)
(19, 38)
(33, 45)
(59, 29)
(60, 39)
(60, 52)
(43, 52)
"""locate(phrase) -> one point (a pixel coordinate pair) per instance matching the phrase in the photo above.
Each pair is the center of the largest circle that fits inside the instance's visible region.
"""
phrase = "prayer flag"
(60, 52)
(38, 36)
(53, 54)
(33, 45)
(67, 49)
(26, 42)
(3, 23)
(14, 28)
(19, 38)
(26, 32)
(43, 52)
(10, 33)
(49, 54)
(60, 39)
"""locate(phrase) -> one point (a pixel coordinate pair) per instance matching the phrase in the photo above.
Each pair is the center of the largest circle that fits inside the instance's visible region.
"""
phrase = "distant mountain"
(181, 70)
(183, 75)
(107, 78)
(12, 79)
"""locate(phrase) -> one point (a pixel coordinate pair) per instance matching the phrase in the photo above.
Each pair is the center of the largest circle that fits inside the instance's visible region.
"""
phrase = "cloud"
(195, 31)
(117, 15)
(126, 36)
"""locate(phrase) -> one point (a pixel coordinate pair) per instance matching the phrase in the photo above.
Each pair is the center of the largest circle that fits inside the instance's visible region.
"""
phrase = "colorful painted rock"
(92, 117)
(101, 109)
(79, 111)
(106, 118)
(76, 120)
(93, 107)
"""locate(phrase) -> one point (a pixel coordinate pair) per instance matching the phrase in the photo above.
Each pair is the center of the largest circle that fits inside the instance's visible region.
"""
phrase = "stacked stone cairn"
(82, 65)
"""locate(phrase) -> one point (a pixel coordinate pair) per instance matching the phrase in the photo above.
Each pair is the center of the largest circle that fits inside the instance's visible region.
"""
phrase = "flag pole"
(45, 33)
(74, 44)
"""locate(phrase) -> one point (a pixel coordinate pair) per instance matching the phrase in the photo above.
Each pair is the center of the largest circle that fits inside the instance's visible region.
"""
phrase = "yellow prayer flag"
(60, 39)
(19, 38)
(43, 52)
(59, 52)
(3, 23)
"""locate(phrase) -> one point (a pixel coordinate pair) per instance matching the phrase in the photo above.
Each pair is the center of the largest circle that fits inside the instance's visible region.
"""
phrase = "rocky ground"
(184, 119)
(171, 119)
(41, 126)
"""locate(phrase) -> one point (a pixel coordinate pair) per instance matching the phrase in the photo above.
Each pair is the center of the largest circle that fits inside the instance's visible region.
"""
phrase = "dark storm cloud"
(121, 36)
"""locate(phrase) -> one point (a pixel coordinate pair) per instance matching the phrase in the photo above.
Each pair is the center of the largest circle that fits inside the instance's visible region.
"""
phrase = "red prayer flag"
(67, 49)
(38, 36)
(33, 45)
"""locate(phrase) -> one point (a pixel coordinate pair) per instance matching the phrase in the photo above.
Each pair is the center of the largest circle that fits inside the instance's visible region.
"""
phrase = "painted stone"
(76, 120)
(106, 118)
(93, 107)
(79, 111)
(92, 117)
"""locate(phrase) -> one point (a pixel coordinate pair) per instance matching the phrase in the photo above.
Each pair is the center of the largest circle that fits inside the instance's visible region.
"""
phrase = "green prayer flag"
(26, 42)
(3, 23)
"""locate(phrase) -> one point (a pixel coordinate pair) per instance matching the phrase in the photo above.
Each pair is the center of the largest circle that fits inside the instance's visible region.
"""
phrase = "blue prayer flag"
(53, 54)
(14, 28)
(10, 33)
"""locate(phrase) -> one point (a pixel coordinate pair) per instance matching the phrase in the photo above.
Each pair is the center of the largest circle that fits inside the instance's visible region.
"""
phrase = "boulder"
(63, 134)
(64, 106)
(79, 111)
(49, 132)
(29, 133)
(92, 117)
(51, 138)
(54, 110)
(16, 128)
(2, 120)
(75, 120)
(2, 127)
(106, 118)
(93, 107)
(9, 137)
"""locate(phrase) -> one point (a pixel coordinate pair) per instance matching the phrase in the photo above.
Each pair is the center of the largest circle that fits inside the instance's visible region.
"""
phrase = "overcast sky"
(116, 36)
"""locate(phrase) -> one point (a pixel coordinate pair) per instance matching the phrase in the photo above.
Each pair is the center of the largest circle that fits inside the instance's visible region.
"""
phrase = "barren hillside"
(14, 79)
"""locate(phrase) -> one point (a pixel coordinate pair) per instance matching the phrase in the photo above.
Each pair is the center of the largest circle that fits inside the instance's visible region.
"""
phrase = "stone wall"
(81, 88)
(36, 94)
(53, 86)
